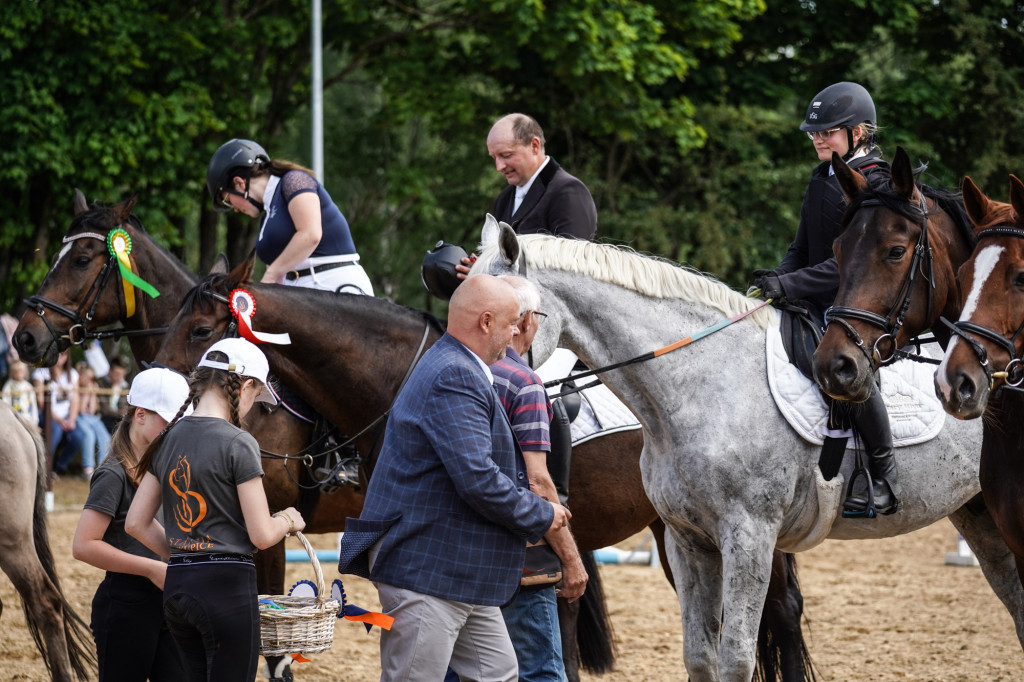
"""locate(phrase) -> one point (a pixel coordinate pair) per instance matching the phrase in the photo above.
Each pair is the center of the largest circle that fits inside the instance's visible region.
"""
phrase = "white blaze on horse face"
(63, 252)
(984, 263)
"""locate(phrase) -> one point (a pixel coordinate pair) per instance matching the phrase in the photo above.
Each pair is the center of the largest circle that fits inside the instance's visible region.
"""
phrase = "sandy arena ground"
(883, 610)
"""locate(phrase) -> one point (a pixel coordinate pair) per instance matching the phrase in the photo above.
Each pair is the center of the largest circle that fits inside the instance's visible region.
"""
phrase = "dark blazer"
(449, 497)
(809, 272)
(557, 204)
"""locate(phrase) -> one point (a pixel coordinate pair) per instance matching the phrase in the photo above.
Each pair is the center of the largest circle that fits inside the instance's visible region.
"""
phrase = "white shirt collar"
(521, 191)
(863, 151)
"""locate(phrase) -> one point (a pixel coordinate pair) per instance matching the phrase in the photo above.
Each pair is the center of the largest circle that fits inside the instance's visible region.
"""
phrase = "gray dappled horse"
(731, 480)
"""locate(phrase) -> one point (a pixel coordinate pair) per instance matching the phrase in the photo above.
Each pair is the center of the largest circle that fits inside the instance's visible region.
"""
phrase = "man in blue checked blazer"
(448, 511)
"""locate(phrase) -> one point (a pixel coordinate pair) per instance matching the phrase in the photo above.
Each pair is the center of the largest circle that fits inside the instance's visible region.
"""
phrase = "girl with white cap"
(128, 606)
(205, 470)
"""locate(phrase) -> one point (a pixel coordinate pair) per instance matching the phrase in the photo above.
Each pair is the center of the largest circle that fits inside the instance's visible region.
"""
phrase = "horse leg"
(998, 563)
(698, 574)
(44, 607)
(781, 649)
(568, 615)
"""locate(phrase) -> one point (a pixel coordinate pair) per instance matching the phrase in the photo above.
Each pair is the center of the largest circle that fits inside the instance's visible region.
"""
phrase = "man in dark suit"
(448, 511)
(541, 196)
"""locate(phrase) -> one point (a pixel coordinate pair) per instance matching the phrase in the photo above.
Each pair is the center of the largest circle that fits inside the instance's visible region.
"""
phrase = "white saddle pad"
(915, 414)
(601, 412)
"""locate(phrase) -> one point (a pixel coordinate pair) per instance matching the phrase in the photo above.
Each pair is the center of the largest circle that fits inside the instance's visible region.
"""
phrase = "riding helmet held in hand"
(842, 104)
(438, 269)
(233, 154)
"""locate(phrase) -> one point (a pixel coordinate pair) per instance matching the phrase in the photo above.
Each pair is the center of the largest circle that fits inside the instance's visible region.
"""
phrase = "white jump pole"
(963, 556)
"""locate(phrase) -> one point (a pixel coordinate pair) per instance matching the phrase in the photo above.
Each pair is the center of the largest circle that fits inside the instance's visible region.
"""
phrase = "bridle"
(921, 262)
(1013, 373)
(79, 331)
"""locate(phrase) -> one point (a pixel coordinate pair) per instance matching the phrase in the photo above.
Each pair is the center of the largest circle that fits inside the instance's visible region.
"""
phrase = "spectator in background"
(20, 394)
(95, 437)
(110, 404)
(61, 381)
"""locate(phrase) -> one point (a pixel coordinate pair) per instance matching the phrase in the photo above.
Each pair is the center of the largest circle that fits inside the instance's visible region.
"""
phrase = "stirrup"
(869, 510)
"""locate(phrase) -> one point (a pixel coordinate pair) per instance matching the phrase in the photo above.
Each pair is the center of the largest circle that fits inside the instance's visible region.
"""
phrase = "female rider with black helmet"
(841, 118)
(305, 239)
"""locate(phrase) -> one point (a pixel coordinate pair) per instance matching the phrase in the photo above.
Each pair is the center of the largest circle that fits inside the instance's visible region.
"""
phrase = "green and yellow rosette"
(119, 243)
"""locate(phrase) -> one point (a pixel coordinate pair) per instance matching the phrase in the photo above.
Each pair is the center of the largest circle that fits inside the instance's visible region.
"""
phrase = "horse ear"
(491, 230)
(851, 182)
(124, 209)
(220, 265)
(975, 203)
(1017, 198)
(508, 244)
(242, 274)
(903, 175)
(81, 205)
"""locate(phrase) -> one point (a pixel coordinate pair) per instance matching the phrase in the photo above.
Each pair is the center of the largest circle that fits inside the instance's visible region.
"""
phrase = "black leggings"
(133, 642)
(212, 612)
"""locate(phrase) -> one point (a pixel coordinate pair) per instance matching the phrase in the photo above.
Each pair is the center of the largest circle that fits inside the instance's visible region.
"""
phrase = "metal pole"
(318, 92)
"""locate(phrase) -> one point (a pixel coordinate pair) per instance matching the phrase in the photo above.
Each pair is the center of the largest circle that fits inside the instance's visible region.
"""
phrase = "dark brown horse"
(981, 372)
(83, 291)
(347, 357)
(898, 255)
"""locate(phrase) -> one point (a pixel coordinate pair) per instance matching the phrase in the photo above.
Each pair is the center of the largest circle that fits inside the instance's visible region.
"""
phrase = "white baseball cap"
(159, 390)
(244, 358)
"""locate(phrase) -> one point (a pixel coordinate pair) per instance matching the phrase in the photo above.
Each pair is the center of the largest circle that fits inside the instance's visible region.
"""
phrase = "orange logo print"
(190, 509)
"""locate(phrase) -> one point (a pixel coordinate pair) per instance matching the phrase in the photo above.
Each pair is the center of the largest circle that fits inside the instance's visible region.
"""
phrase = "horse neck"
(171, 279)
(348, 353)
(606, 324)
(953, 247)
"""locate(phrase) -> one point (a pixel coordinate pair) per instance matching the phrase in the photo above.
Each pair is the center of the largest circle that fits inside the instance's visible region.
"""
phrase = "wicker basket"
(303, 625)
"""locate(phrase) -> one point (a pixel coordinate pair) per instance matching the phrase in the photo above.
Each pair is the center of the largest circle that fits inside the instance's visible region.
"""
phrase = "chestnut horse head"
(87, 287)
(898, 253)
(986, 353)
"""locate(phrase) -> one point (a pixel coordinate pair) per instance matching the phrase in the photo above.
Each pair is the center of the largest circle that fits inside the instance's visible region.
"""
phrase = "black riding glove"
(768, 282)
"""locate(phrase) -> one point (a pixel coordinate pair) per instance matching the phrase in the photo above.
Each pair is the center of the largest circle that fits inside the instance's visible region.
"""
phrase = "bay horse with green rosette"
(981, 373)
(84, 291)
(349, 354)
(727, 474)
(62, 637)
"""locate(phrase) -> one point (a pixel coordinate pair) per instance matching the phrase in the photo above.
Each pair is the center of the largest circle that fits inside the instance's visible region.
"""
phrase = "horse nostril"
(24, 342)
(843, 368)
(964, 389)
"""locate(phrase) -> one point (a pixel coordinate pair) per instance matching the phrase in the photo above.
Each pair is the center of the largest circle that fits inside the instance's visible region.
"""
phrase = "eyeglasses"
(225, 200)
(539, 313)
(823, 134)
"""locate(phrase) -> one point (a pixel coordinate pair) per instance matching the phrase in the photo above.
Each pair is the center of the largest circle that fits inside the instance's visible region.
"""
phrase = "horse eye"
(202, 333)
(897, 253)
(82, 261)
(1018, 281)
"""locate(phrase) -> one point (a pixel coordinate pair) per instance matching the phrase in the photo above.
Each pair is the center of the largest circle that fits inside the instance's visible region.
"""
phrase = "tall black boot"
(872, 424)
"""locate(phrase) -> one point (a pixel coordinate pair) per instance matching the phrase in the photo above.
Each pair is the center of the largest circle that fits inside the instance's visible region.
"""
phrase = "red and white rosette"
(243, 307)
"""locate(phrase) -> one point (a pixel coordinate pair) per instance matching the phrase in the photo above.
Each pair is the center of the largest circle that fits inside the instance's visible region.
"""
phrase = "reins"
(718, 326)
(1013, 374)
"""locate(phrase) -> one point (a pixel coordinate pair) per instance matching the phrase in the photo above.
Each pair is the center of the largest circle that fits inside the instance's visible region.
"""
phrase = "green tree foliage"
(681, 116)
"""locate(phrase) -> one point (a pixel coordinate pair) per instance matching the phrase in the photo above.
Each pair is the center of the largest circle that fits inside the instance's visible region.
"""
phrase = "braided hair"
(201, 380)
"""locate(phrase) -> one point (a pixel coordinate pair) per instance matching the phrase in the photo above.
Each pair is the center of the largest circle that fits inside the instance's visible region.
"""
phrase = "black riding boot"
(871, 421)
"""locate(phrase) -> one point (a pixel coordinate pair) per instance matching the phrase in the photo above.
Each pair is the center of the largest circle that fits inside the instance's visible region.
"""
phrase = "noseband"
(1013, 373)
(892, 322)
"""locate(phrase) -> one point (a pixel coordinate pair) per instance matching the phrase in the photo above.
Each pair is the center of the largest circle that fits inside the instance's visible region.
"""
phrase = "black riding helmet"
(840, 105)
(235, 157)
(438, 269)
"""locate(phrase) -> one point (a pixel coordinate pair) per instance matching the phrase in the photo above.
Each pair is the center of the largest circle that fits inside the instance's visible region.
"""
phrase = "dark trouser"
(212, 612)
(132, 639)
(872, 422)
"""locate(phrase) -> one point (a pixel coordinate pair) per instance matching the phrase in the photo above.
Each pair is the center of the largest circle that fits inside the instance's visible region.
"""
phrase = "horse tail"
(594, 633)
(782, 653)
(78, 638)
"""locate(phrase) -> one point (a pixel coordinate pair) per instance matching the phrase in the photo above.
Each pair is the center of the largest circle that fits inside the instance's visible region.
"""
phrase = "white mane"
(624, 267)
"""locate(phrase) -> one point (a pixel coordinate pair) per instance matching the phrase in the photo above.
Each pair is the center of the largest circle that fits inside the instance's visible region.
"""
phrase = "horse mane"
(203, 295)
(881, 190)
(620, 265)
(100, 218)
